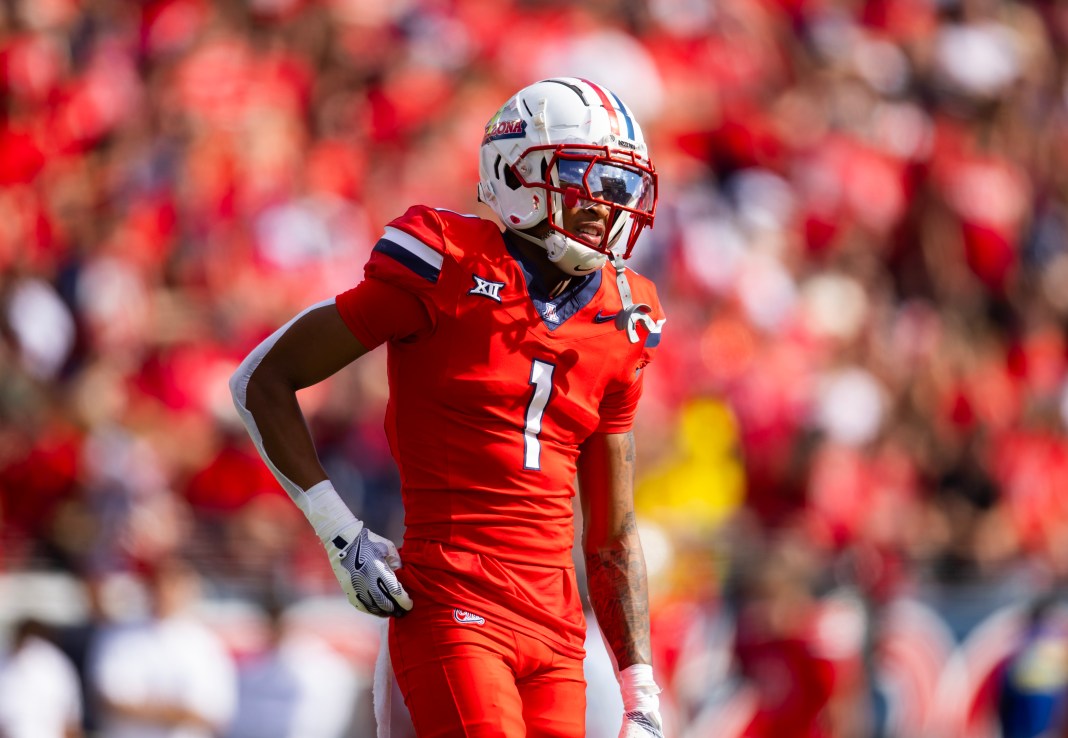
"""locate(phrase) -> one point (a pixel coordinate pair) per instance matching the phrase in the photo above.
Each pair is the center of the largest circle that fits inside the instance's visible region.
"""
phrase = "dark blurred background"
(853, 473)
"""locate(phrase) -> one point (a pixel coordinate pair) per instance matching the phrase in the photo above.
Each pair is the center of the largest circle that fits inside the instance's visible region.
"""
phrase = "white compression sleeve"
(239, 390)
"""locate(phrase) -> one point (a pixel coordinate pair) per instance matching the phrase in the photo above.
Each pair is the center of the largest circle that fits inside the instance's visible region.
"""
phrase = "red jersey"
(489, 404)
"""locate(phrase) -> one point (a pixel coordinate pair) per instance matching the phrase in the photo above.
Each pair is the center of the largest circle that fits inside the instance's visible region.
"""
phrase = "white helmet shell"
(572, 122)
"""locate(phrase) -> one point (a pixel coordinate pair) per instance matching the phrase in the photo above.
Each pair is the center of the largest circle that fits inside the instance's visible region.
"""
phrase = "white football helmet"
(561, 142)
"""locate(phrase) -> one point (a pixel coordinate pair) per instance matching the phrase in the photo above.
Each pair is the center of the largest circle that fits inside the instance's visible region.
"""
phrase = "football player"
(515, 360)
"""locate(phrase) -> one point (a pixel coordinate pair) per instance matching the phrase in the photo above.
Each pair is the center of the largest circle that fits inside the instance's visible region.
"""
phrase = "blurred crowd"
(853, 471)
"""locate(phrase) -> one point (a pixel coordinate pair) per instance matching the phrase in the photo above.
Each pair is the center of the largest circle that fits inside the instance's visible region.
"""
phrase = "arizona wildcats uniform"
(491, 396)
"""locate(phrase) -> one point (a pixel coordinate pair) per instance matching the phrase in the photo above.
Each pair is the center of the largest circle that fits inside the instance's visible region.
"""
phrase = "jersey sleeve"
(619, 407)
(411, 252)
(402, 275)
(376, 312)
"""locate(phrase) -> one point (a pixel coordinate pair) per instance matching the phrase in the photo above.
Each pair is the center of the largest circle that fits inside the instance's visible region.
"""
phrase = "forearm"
(615, 565)
(287, 443)
(303, 352)
(615, 573)
(266, 400)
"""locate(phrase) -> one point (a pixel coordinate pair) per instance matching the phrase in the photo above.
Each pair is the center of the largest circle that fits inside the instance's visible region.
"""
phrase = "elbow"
(248, 381)
(235, 384)
(257, 386)
(238, 384)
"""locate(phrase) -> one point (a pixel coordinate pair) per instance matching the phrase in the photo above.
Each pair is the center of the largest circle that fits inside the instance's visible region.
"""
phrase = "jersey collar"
(555, 311)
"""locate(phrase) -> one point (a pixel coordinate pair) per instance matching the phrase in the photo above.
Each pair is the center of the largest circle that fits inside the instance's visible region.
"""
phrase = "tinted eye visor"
(588, 175)
(606, 181)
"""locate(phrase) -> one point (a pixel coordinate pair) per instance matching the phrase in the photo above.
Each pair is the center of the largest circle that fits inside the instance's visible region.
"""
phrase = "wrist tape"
(326, 511)
(639, 689)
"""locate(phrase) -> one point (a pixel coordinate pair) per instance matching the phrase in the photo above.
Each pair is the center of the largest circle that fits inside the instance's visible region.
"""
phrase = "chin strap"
(557, 246)
(632, 314)
(554, 250)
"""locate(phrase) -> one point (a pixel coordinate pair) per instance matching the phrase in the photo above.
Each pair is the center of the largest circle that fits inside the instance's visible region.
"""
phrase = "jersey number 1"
(541, 378)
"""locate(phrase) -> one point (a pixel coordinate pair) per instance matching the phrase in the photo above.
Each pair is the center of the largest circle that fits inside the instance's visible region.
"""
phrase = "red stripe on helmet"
(613, 116)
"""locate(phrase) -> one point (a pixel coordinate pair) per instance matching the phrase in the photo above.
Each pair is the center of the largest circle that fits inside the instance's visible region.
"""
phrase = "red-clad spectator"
(231, 480)
(40, 471)
(861, 240)
(801, 656)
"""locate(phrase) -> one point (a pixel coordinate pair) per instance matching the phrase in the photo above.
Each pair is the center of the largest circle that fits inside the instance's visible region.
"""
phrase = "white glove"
(641, 705)
(642, 725)
(363, 562)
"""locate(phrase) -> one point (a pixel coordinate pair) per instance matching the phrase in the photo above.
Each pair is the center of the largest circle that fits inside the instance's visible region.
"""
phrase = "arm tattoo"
(631, 453)
(619, 594)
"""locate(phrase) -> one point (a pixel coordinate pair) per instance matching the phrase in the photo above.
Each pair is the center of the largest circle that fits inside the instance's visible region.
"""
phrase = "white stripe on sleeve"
(414, 246)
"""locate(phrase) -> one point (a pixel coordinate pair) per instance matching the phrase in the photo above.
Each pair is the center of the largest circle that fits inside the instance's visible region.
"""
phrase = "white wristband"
(639, 689)
(325, 510)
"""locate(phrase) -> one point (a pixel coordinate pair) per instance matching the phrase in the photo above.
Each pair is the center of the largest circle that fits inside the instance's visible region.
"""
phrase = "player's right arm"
(393, 303)
(311, 347)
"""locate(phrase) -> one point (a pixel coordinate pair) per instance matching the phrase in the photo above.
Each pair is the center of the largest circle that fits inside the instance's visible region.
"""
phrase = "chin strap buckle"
(632, 314)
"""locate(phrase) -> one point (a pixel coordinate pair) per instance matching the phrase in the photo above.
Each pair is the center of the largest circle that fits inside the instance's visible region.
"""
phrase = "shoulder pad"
(412, 246)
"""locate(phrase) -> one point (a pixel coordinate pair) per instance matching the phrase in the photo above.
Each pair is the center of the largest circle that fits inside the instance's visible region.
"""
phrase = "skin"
(575, 220)
(319, 344)
(615, 564)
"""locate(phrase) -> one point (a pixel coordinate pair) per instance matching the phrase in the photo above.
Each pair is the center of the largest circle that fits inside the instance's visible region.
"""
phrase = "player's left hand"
(642, 725)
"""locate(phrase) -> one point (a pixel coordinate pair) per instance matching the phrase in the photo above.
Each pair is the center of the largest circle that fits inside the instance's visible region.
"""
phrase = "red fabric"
(32, 66)
(21, 158)
(1031, 468)
(337, 168)
(990, 195)
(169, 25)
(181, 377)
(794, 686)
(376, 312)
(487, 492)
(989, 253)
(904, 20)
(231, 480)
(500, 682)
(747, 138)
(33, 485)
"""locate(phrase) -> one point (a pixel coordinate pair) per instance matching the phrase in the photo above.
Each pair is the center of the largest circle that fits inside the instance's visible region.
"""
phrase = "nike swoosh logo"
(359, 544)
(601, 318)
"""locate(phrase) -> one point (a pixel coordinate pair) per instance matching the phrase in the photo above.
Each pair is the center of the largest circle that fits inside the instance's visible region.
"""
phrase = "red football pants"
(462, 678)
